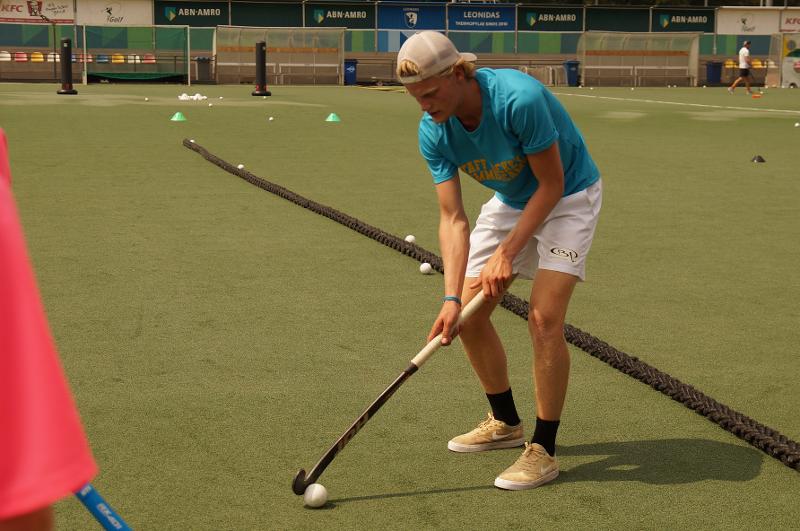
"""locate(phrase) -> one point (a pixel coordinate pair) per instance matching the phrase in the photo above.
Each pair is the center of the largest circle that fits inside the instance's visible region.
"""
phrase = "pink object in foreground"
(44, 454)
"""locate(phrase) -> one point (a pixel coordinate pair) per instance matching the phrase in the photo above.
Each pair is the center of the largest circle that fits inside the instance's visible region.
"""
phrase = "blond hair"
(408, 69)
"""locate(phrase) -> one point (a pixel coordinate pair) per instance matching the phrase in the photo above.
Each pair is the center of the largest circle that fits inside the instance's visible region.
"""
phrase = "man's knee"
(545, 326)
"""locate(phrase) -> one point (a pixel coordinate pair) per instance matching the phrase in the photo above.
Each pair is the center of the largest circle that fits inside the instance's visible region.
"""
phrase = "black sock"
(545, 434)
(503, 407)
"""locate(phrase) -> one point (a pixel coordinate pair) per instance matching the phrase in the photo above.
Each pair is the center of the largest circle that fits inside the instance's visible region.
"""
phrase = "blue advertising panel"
(411, 17)
(491, 17)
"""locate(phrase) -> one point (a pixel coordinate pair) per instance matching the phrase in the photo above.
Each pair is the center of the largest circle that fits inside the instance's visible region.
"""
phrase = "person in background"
(745, 64)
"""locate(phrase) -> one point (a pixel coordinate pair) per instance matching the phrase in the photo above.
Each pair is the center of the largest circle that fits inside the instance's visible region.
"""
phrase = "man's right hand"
(446, 323)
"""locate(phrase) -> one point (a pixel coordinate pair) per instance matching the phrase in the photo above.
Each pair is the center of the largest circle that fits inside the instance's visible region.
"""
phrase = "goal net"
(295, 56)
(134, 52)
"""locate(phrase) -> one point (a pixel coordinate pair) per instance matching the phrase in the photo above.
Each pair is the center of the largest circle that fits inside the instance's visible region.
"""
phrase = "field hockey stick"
(100, 509)
(303, 480)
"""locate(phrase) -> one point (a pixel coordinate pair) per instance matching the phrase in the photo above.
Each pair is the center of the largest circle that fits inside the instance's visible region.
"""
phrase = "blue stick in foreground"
(101, 510)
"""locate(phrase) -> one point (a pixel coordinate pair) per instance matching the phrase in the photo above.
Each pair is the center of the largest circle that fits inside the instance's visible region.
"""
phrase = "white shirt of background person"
(744, 57)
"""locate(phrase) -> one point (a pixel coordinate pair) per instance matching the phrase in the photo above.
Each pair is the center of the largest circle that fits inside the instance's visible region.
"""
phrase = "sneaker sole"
(516, 485)
(468, 448)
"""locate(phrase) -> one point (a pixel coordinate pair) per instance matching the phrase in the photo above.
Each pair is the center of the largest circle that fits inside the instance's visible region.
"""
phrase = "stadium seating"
(5, 56)
(37, 57)
(20, 57)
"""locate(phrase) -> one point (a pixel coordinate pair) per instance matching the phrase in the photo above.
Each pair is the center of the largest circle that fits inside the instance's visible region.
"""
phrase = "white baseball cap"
(432, 52)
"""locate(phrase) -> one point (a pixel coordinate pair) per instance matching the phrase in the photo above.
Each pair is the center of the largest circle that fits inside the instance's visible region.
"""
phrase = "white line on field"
(677, 103)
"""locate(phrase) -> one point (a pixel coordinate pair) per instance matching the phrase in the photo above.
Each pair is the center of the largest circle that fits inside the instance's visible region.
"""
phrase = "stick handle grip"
(101, 510)
(434, 344)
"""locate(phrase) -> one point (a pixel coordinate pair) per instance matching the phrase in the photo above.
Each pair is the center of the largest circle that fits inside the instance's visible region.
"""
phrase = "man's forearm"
(536, 211)
(454, 243)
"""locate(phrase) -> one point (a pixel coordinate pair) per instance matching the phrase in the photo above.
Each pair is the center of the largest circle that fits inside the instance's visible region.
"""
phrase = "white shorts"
(561, 242)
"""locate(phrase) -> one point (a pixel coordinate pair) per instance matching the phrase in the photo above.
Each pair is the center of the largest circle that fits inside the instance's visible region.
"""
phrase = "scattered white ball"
(240, 166)
(220, 97)
(591, 88)
(191, 140)
(210, 104)
(797, 124)
(315, 495)
(704, 86)
(271, 118)
(410, 238)
(631, 88)
(263, 97)
(147, 99)
(425, 268)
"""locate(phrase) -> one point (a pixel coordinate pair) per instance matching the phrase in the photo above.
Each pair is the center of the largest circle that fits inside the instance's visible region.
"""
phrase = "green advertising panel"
(359, 41)
(541, 18)
(179, 13)
(267, 15)
(683, 20)
(353, 16)
(548, 43)
(483, 41)
(617, 19)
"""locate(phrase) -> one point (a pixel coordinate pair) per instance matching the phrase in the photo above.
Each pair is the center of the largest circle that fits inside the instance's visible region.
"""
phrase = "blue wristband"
(451, 298)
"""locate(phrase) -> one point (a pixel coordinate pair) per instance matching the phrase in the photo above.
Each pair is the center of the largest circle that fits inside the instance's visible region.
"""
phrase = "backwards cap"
(432, 52)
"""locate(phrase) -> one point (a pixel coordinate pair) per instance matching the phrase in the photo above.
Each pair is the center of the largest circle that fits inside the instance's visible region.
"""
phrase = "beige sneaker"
(489, 435)
(533, 468)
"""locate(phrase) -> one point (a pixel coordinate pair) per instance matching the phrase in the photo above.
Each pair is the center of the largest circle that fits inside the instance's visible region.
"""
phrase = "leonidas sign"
(60, 11)
(790, 20)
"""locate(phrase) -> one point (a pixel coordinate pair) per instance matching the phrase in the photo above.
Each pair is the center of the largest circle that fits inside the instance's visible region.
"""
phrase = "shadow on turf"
(660, 462)
(412, 493)
(663, 462)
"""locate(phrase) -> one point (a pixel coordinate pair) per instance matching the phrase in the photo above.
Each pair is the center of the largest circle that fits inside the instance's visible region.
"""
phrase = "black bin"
(350, 71)
(713, 72)
(203, 69)
(571, 68)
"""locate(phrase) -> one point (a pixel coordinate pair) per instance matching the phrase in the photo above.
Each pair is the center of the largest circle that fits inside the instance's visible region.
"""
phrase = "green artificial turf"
(218, 338)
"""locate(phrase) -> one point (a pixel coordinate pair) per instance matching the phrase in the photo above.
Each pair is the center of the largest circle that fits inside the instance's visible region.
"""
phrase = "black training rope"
(763, 437)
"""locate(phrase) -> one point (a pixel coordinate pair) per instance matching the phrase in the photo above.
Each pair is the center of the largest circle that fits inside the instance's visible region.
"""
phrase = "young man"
(507, 131)
(744, 68)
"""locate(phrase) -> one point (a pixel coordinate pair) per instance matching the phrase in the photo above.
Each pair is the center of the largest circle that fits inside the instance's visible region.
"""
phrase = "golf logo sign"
(113, 13)
(746, 27)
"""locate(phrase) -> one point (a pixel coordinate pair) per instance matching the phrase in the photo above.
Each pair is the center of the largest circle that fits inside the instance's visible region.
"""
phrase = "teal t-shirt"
(520, 116)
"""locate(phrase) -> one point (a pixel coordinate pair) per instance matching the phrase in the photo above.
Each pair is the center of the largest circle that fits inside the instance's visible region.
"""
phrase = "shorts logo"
(564, 254)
